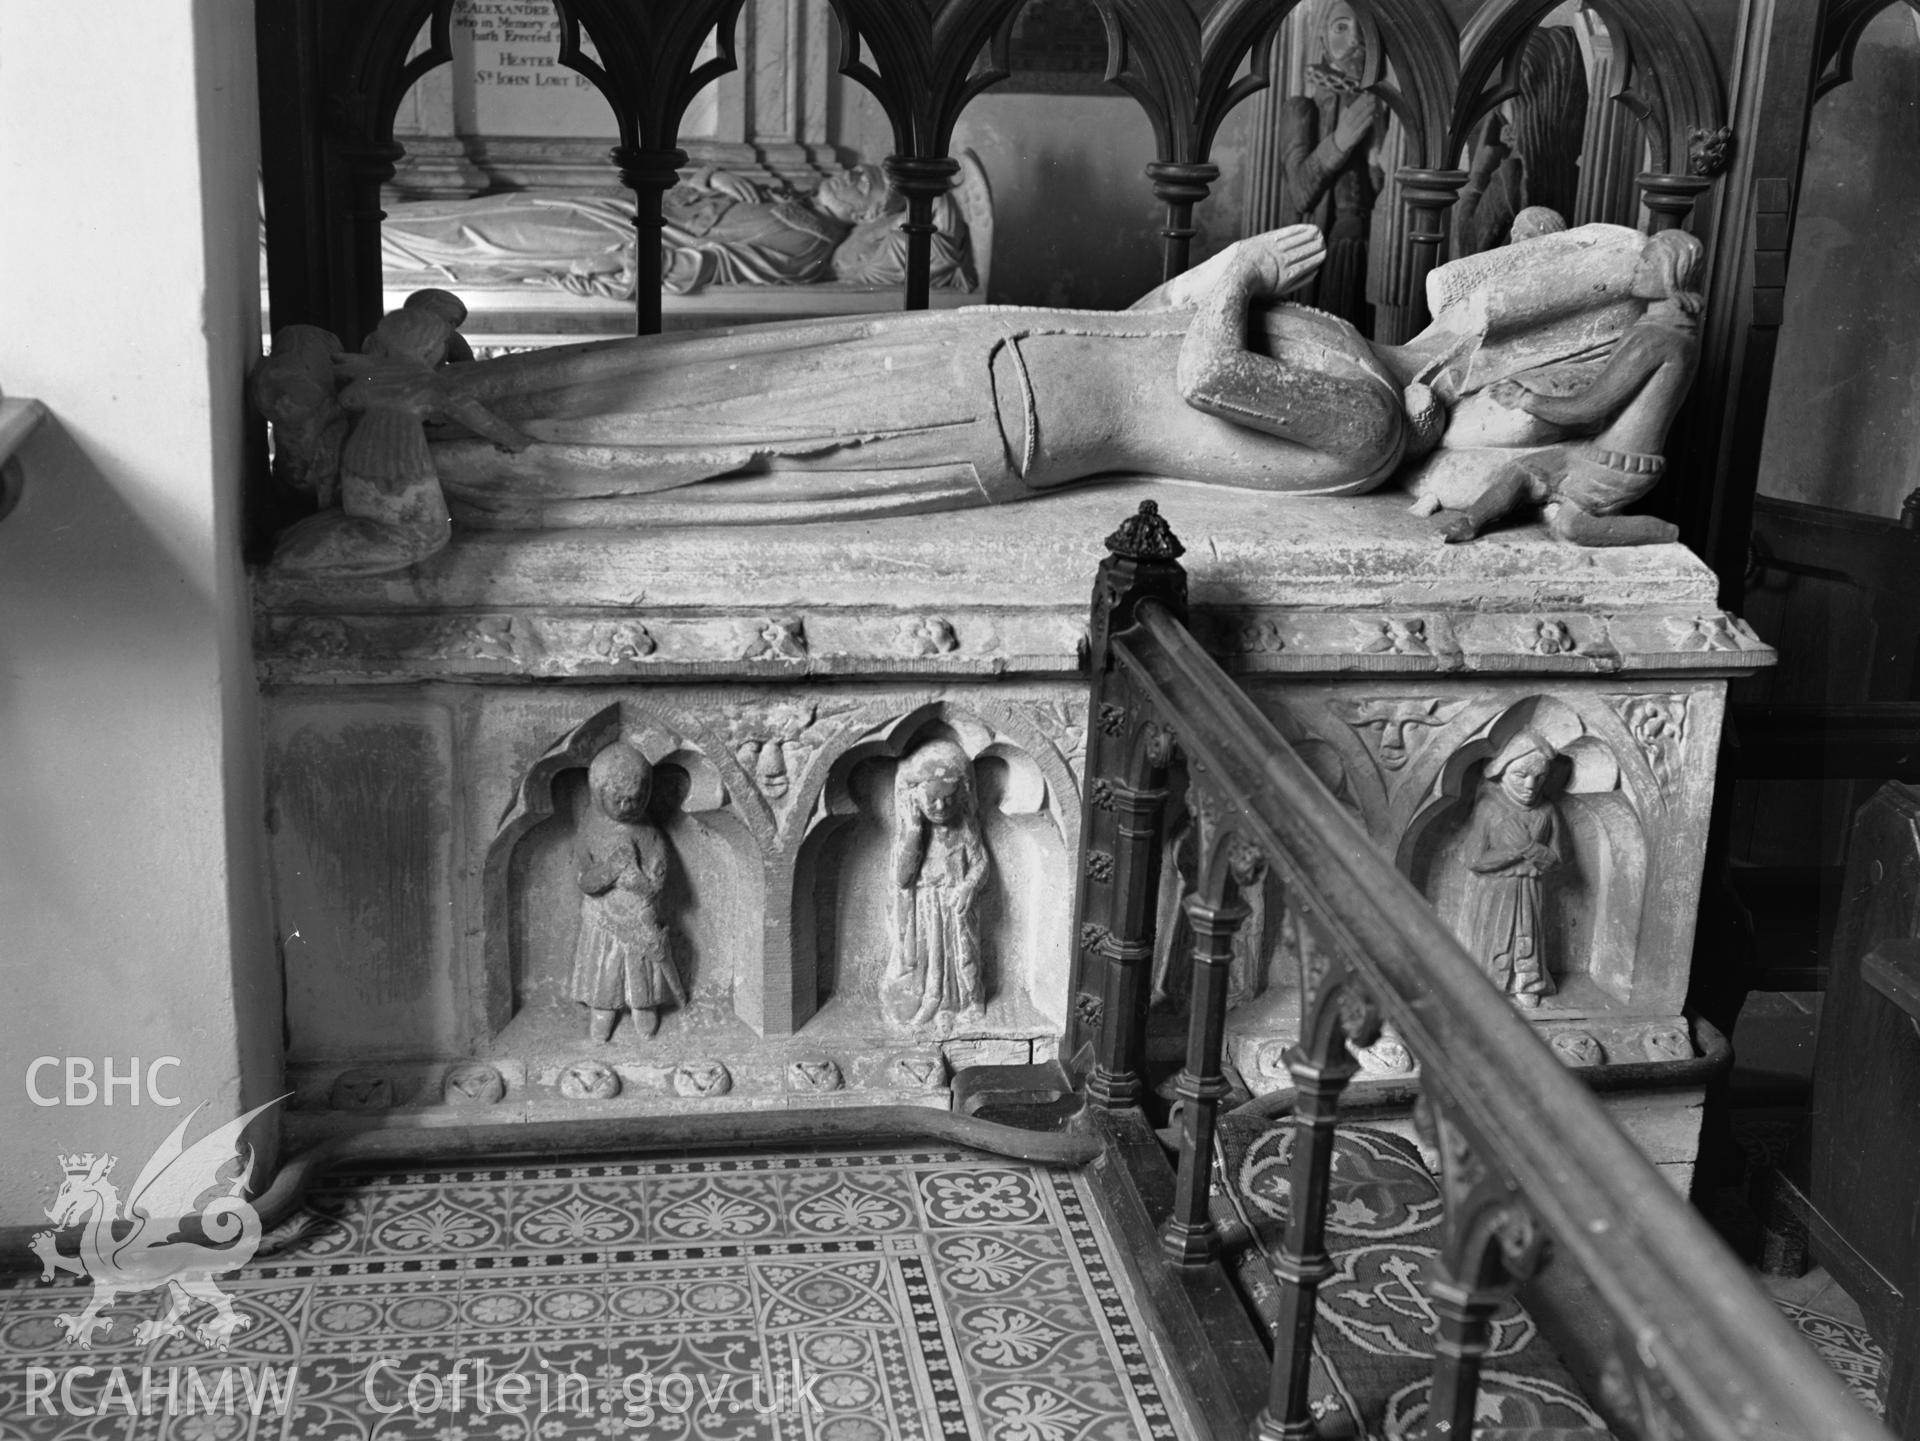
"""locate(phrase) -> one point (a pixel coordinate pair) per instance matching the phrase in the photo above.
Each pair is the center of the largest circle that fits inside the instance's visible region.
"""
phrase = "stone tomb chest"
(430, 737)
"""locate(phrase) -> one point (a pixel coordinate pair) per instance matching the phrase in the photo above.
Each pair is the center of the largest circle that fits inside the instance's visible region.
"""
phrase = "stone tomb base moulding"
(820, 928)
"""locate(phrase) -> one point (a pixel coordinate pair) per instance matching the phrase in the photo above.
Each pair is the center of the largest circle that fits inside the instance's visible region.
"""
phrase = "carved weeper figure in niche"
(940, 865)
(623, 959)
(1512, 841)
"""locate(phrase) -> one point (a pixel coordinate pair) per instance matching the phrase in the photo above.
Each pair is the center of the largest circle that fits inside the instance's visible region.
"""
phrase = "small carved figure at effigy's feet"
(623, 959)
(940, 865)
(1511, 842)
(391, 512)
(1582, 445)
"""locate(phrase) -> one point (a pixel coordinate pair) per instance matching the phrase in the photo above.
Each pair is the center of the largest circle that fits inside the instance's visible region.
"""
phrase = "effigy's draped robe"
(881, 415)
(513, 238)
(713, 240)
(862, 417)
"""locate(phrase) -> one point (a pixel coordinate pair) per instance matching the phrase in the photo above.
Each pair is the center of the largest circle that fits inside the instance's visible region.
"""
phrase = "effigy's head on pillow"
(857, 194)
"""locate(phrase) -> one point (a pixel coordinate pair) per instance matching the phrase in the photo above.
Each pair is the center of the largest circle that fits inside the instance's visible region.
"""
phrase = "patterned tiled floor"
(1373, 1350)
(828, 1297)
(1831, 1323)
(1373, 1353)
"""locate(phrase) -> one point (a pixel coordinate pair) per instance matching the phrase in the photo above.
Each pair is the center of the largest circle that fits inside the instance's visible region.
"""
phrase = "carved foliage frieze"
(775, 638)
(1549, 636)
(927, 635)
(1716, 632)
(1064, 724)
(1394, 635)
(299, 644)
(1248, 635)
(618, 641)
(1658, 724)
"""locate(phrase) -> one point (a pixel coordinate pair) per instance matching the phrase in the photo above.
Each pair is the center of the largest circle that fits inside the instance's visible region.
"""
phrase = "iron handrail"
(1730, 1364)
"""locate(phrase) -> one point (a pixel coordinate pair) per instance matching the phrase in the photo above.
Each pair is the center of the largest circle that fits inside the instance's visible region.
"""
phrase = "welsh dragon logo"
(146, 1243)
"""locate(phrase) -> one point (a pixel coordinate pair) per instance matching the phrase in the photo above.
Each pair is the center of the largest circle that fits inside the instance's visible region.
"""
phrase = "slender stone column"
(1614, 147)
(1266, 171)
(1429, 197)
(923, 180)
(1669, 198)
(650, 174)
(369, 167)
(1181, 185)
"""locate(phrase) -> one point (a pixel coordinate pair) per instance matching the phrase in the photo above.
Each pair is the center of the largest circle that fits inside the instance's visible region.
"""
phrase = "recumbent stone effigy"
(778, 566)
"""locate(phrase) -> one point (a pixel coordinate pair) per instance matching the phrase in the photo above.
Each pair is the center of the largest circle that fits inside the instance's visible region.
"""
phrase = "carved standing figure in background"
(1532, 157)
(392, 512)
(940, 866)
(623, 959)
(1511, 842)
(1326, 144)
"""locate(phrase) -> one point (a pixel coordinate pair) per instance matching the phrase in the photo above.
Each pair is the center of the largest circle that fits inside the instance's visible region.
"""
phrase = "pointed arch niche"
(1595, 900)
(844, 890)
(711, 902)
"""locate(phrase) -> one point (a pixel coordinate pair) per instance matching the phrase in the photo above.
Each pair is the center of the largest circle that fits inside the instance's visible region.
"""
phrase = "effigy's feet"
(333, 543)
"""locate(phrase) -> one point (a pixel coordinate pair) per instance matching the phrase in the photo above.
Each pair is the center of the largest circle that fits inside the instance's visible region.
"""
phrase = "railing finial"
(1145, 536)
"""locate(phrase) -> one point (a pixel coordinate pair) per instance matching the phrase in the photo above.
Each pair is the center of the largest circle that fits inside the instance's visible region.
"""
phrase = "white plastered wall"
(132, 905)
